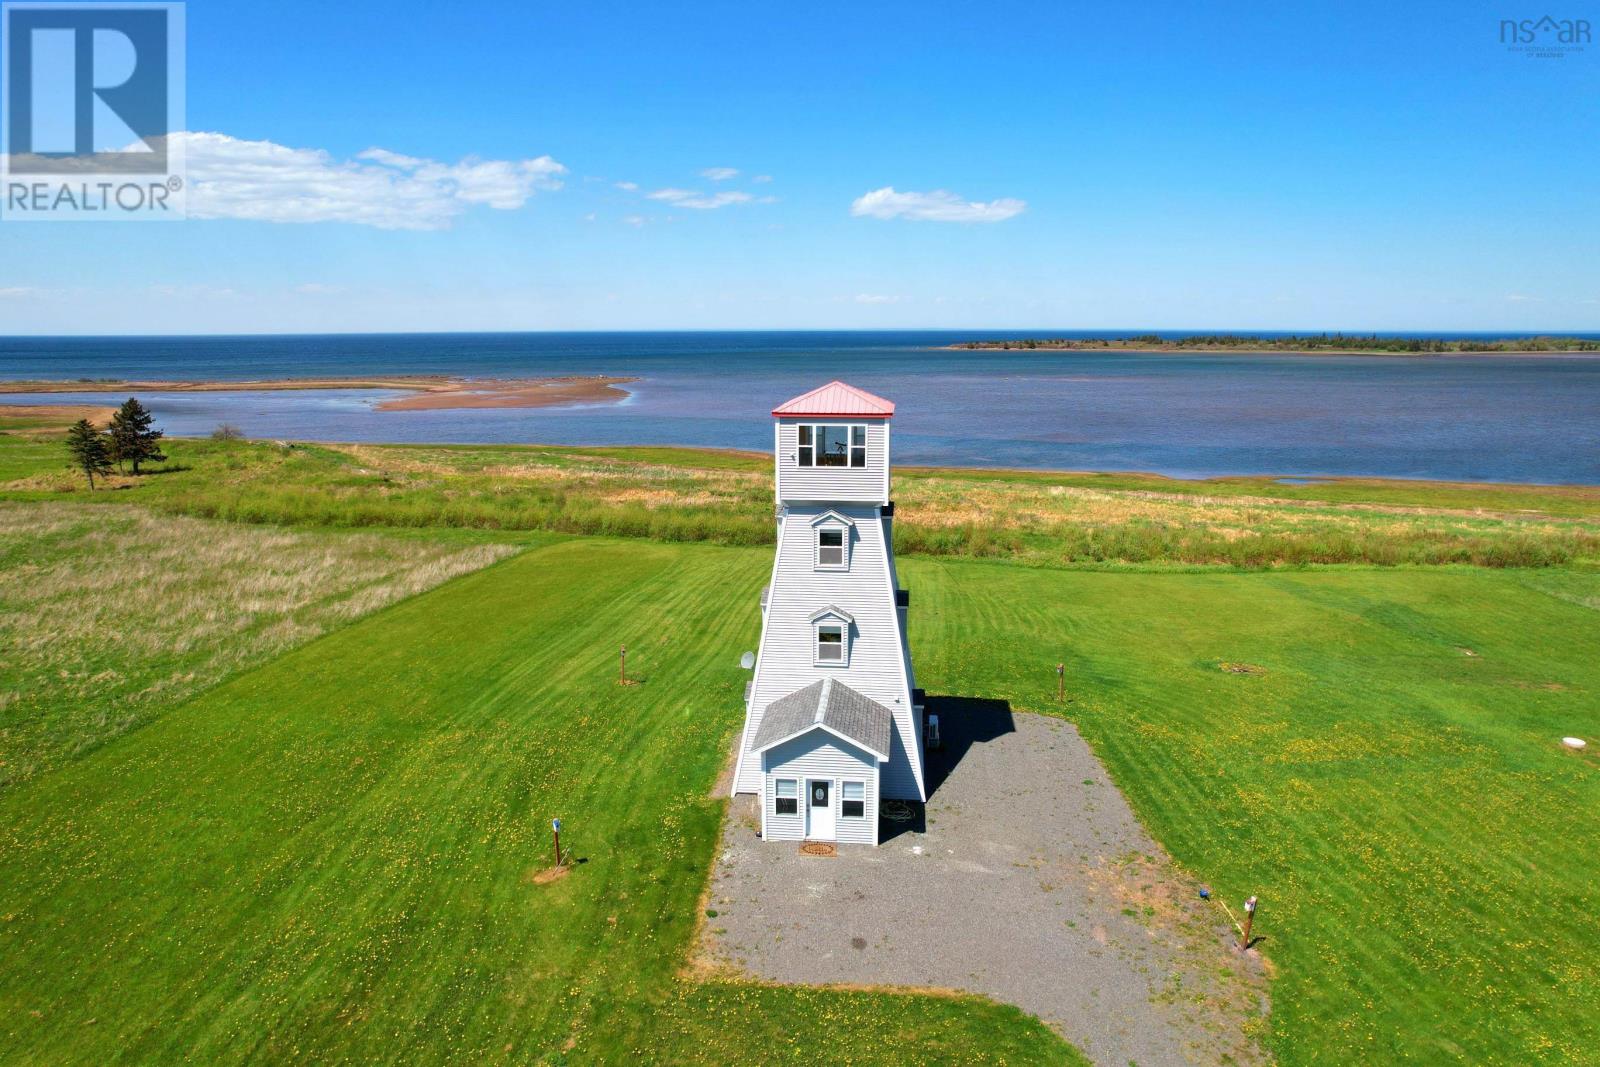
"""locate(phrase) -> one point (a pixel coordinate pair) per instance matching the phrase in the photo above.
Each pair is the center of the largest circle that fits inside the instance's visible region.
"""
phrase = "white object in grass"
(1577, 744)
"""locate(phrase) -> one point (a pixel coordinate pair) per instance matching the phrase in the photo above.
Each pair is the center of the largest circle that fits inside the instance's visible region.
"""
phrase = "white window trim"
(843, 798)
(777, 795)
(844, 642)
(844, 547)
(850, 447)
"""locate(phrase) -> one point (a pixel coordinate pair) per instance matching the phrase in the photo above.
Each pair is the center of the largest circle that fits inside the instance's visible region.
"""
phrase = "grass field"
(688, 495)
(1391, 783)
(330, 858)
(109, 615)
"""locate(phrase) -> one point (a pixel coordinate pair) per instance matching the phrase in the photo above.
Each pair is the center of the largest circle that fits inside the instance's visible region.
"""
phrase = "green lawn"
(1421, 843)
(328, 858)
(111, 615)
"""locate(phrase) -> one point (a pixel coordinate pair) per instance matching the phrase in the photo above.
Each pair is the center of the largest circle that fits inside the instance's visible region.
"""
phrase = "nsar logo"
(1546, 37)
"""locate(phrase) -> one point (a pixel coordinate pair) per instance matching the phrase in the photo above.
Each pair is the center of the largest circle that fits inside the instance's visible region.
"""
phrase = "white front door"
(819, 809)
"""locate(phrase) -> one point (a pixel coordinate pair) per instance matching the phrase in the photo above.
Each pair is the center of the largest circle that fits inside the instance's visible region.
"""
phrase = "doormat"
(818, 848)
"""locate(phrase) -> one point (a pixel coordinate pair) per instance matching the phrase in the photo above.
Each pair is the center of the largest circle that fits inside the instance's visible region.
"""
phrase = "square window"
(854, 803)
(788, 792)
(833, 446)
(830, 643)
(819, 445)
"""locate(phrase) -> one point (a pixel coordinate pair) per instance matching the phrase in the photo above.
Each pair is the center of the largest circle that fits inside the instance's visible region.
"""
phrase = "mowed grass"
(108, 615)
(684, 495)
(331, 858)
(1390, 781)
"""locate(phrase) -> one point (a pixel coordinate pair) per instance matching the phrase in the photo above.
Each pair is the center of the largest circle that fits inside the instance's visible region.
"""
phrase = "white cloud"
(628, 187)
(876, 298)
(18, 292)
(390, 159)
(719, 174)
(761, 178)
(937, 206)
(267, 182)
(635, 220)
(706, 201)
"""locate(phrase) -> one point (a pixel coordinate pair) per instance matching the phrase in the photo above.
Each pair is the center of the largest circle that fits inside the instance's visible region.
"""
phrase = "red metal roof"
(837, 398)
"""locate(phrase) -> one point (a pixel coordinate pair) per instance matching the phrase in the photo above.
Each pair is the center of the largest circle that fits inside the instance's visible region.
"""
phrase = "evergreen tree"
(132, 438)
(90, 449)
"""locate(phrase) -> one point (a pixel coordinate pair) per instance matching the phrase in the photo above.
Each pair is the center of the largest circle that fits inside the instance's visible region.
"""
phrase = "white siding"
(866, 485)
(819, 754)
(879, 665)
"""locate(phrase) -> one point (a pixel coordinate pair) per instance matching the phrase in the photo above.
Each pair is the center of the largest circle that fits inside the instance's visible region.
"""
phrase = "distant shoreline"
(1336, 344)
(427, 391)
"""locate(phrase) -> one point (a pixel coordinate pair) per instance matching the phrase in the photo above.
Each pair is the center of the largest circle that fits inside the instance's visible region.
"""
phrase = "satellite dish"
(748, 660)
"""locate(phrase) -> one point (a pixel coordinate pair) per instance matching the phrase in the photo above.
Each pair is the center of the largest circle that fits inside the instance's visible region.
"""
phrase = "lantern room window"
(826, 445)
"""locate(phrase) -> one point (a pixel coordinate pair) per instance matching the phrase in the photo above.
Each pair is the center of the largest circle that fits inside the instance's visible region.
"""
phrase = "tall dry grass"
(110, 614)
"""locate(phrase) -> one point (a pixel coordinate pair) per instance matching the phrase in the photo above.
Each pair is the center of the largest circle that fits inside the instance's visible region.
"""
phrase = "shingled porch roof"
(831, 706)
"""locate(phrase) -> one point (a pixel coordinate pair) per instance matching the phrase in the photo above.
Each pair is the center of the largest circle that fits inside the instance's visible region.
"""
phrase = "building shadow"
(963, 722)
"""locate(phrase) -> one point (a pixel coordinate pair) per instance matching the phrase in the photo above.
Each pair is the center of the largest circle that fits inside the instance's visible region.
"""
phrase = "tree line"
(131, 440)
(1297, 343)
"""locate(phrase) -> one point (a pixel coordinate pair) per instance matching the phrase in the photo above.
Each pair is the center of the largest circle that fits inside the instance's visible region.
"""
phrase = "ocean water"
(1470, 418)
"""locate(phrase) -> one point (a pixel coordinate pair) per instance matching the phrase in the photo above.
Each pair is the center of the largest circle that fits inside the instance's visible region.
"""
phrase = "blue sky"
(561, 166)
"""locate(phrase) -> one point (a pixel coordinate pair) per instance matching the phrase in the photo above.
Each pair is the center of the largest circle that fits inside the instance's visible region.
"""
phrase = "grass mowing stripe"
(328, 858)
(1404, 809)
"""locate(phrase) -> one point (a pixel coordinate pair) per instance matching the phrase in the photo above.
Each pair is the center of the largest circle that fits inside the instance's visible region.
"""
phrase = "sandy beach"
(54, 414)
(427, 391)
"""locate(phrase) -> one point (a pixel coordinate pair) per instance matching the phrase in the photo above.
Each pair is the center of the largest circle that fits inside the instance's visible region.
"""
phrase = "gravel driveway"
(1031, 882)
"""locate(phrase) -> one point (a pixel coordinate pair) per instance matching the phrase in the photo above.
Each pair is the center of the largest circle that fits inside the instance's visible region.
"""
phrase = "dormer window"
(830, 548)
(830, 633)
(832, 533)
(826, 445)
(830, 642)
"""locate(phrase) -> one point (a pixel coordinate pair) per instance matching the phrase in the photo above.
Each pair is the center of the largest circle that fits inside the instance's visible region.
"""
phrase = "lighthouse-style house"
(833, 722)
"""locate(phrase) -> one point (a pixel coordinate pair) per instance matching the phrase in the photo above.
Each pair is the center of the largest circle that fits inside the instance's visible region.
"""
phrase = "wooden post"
(1061, 681)
(1249, 921)
(555, 830)
(622, 666)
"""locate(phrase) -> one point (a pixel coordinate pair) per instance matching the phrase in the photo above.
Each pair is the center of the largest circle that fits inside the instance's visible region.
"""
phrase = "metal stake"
(1061, 681)
(622, 666)
(1249, 921)
(555, 829)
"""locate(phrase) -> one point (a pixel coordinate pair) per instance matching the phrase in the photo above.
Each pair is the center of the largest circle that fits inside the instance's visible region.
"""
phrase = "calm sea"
(1489, 418)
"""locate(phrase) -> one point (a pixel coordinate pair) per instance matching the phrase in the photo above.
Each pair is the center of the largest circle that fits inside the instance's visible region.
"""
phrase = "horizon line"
(1111, 333)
